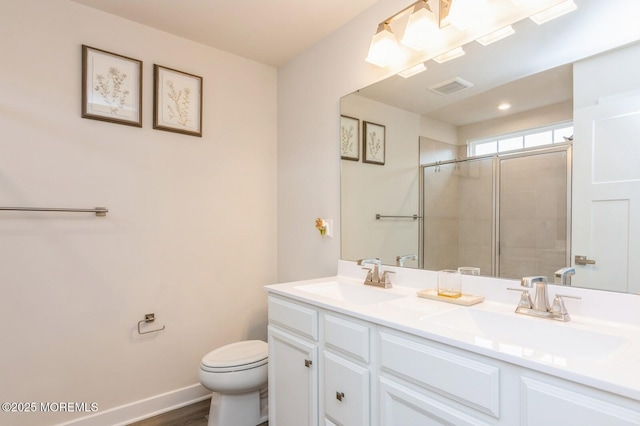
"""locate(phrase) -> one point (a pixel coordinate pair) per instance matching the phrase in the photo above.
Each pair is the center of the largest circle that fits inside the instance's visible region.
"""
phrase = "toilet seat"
(236, 357)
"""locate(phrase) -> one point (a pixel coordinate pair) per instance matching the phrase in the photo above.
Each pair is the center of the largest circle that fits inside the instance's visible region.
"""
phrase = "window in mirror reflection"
(531, 138)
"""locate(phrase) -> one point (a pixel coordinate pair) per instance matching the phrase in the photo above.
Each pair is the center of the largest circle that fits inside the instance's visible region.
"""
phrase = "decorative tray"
(465, 299)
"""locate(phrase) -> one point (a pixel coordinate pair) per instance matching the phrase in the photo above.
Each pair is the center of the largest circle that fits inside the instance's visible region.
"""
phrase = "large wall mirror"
(458, 182)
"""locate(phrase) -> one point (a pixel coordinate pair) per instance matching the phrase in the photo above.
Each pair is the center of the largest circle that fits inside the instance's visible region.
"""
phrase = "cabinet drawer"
(347, 336)
(295, 317)
(400, 405)
(462, 379)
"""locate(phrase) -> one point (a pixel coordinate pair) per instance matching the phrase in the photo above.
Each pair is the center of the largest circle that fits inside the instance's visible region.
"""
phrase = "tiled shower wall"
(531, 216)
(458, 214)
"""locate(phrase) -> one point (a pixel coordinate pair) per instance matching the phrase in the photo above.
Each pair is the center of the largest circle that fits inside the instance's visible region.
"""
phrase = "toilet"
(237, 374)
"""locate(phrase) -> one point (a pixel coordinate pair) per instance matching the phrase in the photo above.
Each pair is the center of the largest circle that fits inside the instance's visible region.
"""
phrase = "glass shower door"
(533, 214)
(458, 215)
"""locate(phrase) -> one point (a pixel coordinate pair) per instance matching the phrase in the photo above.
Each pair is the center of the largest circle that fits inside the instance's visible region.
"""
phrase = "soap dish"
(465, 299)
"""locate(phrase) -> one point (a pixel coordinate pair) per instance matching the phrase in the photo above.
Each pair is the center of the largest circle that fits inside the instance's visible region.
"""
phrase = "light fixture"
(422, 28)
(504, 106)
(465, 14)
(452, 54)
(384, 47)
(554, 12)
(416, 69)
(425, 34)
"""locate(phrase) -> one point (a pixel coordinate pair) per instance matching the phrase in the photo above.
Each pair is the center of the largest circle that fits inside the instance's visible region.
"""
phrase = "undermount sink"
(529, 337)
(352, 293)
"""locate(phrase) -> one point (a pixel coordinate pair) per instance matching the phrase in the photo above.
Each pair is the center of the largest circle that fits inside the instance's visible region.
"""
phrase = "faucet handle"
(530, 281)
(369, 274)
(525, 298)
(558, 305)
(385, 279)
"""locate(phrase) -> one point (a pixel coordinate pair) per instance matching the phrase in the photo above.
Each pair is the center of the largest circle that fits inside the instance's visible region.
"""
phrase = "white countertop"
(599, 347)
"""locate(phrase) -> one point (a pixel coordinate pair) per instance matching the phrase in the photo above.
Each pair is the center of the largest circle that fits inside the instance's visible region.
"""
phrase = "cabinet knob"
(307, 363)
(339, 396)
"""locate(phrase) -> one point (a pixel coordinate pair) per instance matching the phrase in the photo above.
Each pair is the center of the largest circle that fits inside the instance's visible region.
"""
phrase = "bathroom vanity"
(341, 353)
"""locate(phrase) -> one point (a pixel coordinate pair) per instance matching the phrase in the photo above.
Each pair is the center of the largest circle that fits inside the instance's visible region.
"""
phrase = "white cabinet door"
(293, 380)
(606, 193)
(346, 391)
(549, 405)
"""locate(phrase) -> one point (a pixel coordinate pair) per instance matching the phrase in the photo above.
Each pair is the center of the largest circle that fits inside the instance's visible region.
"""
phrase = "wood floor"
(191, 415)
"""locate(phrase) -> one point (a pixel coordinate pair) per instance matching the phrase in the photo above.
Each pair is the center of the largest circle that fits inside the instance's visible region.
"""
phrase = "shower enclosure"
(507, 214)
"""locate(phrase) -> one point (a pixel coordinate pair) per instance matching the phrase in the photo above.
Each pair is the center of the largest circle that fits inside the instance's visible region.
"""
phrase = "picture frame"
(177, 101)
(111, 87)
(373, 143)
(349, 138)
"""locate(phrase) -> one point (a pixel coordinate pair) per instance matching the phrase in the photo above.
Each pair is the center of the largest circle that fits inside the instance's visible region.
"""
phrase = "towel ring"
(148, 318)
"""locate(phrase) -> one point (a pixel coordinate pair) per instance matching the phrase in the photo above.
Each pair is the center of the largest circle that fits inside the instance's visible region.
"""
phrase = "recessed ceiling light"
(416, 69)
(504, 106)
(496, 35)
(554, 12)
(452, 54)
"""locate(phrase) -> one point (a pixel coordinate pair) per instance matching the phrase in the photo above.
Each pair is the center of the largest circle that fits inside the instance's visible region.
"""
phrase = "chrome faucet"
(541, 300)
(540, 305)
(373, 276)
(563, 276)
(401, 259)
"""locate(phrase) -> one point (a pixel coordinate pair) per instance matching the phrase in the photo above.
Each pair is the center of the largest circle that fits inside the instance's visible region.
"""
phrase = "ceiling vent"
(450, 87)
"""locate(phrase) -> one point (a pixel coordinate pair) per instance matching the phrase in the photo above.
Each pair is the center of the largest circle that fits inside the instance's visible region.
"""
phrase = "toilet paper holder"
(148, 318)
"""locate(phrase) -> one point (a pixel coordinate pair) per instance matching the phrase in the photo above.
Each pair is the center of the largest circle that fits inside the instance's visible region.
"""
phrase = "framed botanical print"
(349, 138)
(373, 143)
(111, 87)
(177, 101)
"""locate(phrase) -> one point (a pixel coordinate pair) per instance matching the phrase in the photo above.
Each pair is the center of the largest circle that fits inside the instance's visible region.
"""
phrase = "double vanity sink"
(341, 352)
(489, 325)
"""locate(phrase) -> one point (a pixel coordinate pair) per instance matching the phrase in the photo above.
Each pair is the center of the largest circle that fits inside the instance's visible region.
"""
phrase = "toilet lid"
(237, 354)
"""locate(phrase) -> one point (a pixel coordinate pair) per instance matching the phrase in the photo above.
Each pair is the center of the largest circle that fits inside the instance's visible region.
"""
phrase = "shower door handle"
(582, 260)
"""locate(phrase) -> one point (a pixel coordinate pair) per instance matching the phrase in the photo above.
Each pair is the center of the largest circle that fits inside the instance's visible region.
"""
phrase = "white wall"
(596, 78)
(309, 92)
(190, 233)
(538, 117)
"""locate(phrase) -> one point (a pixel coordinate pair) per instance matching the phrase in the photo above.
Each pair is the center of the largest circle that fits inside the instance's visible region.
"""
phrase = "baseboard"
(145, 408)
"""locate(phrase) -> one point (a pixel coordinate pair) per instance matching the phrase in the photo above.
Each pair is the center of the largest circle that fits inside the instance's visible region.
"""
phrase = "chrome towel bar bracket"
(148, 318)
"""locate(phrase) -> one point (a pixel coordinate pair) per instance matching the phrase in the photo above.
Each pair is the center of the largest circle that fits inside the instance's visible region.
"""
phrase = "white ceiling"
(268, 31)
